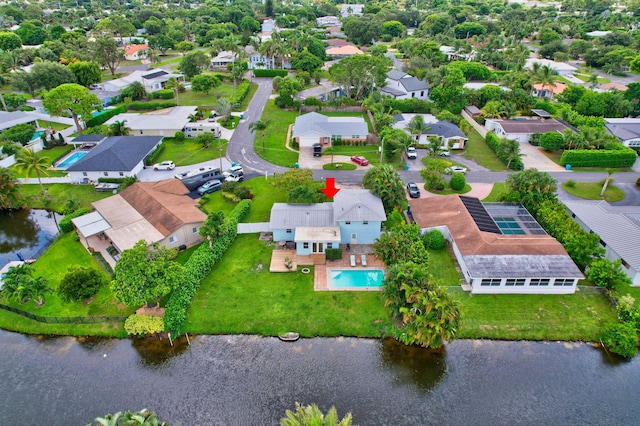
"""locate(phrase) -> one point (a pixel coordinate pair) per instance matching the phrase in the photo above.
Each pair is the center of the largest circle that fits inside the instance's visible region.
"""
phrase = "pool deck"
(320, 277)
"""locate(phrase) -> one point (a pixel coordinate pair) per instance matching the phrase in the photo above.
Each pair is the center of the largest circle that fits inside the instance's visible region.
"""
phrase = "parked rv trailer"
(192, 130)
(195, 178)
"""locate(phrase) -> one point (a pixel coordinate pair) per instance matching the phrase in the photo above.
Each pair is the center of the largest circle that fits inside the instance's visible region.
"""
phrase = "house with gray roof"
(521, 129)
(627, 130)
(618, 228)
(450, 135)
(401, 85)
(354, 217)
(313, 128)
(151, 80)
(10, 119)
(117, 156)
(499, 247)
(164, 122)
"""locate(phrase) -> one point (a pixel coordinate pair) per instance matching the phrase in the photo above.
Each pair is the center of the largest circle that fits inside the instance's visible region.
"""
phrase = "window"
(413, 94)
(173, 239)
(539, 281)
(195, 229)
(563, 281)
(105, 173)
(366, 222)
(329, 245)
(515, 281)
(491, 282)
(422, 93)
(84, 173)
(305, 245)
(289, 231)
(121, 173)
(347, 222)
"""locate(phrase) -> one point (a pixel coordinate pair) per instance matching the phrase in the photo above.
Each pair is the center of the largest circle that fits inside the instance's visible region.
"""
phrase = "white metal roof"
(90, 224)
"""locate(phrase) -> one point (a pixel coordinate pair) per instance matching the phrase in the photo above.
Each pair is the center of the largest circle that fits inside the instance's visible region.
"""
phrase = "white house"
(499, 247)
(152, 80)
(134, 52)
(401, 85)
(454, 55)
(222, 59)
(117, 156)
(627, 130)
(313, 128)
(521, 130)
(268, 25)
(259, 61)
(354, 217)
(562, 68)
(164, 122)
(449, 134)
(328, 21)
(618, 228)
(351, 10)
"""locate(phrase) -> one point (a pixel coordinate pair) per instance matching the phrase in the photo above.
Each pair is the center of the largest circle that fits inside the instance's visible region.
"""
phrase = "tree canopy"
(386, 183)
(72, 98)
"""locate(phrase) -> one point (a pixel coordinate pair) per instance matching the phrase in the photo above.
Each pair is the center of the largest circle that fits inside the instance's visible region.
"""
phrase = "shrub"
(65, 224)
(241, 93)
(621, 339)
(434, 240)
(535, 139)
(551, 141)
(311, 101)
(270, 73)
(80, 283)
(21, 133)
(621, 157)
(163, 94)
(179, 136)
(571, 183)
(9, 148)
(150, 106)
(457, 181)
(141, 325)
(229, 186)
(151, 159)
(333, 253)
(242, 192)
(102, 118)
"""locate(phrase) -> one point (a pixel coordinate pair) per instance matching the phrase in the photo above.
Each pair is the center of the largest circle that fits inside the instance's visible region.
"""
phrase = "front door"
(317, 248)
(354, 239)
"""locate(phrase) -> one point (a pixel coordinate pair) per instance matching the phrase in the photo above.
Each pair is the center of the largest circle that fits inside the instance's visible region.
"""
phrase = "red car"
(360, 160)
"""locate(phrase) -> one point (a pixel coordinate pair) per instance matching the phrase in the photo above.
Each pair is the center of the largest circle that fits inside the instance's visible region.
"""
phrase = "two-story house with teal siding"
(354, 217)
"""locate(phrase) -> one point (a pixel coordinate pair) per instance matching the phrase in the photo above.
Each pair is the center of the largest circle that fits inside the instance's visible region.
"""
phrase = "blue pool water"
(343, 279)
(71, 160)
(37, 135)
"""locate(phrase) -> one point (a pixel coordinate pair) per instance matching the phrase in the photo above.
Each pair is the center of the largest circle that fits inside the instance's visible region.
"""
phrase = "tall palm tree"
(545, 75)
(119, 128)
(173, 84)
(259, 126)
(28, 161)
(417, 126)
(509, 150)
(401, 143)
(223, 108)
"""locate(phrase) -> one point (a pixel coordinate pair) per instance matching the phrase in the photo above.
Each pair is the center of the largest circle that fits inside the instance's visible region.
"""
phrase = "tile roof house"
(312, 128)
(548, 91)
(562, 68)
(450, 134)
(151, 80)
(401, 85)
(618, 228)
(521, 130)
(133, 52)
(157, 212)
(165, 122)
(343, 51)
(627, 130)
(117, 156)
(354, 217)
(499, 247)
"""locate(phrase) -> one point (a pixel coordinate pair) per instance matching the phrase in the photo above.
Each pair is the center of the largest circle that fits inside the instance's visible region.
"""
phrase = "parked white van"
(192, 130)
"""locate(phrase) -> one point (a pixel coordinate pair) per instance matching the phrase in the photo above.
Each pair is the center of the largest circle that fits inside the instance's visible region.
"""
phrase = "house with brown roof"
(522, 128)
(548, 91)
(133, 52)
(500, 248)
(157, 212)
(343, 51)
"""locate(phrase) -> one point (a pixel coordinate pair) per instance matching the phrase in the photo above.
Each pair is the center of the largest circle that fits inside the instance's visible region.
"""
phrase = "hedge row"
(100, 119)
(599, 158)
(409, 105)
(65, 224)
(151, 159)
(163, 94)
(241, 93)
(494, 143)
(198, 267)
(270, 73)
(150, 106)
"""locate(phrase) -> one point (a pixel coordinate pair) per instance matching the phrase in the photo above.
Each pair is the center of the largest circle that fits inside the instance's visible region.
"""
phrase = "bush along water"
(198, 267)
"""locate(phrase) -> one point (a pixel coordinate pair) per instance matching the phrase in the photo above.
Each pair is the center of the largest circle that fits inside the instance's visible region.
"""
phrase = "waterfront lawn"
(534, 317)
(476, 149)
(275, 136)
(188, 151)
(237, 298)
(591, 191)
(59, 193)
(51, 155)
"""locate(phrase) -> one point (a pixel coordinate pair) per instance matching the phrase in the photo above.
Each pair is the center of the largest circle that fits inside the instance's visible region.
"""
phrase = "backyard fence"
(62, 320)
(591, 289)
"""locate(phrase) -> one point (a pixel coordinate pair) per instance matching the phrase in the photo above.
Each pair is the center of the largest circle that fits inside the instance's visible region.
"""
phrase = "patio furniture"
(353, 260)
(363, 259)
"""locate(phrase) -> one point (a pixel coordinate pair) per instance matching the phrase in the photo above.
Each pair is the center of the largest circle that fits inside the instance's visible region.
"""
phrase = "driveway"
(533, 158)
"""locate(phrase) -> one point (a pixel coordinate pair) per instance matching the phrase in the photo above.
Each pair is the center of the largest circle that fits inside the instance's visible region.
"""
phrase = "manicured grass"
(585, 78)
(498, 190)
(370, 152)
(187, 151)
(265, 194)
(340, 166)
(53, 125)
(534, 317)
(448, 191)
(64, 253)
(231, 123)
(476, 149)
(59, 193)
(275, 136)
(189, 97)
(237, 298)
(51, 155)
(591, 191)
(443, 268)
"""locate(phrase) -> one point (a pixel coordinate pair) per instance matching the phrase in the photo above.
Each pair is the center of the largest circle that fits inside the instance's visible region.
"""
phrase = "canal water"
(248, 380)
(25, 232)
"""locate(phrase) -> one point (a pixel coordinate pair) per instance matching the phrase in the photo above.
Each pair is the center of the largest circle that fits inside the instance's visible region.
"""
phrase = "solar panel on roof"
(480, 215)
(154, 75)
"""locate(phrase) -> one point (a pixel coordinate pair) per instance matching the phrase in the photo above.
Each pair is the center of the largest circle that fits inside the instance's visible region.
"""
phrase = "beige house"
(157, 212)
(164, 122)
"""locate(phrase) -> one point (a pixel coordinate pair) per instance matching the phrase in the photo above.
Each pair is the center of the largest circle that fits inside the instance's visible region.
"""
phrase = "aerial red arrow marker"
(330, 190)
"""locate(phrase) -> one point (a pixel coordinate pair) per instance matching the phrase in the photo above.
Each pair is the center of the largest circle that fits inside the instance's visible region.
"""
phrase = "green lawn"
(187, 151)
(59, 193)
(237, 298)
(189, 97)
(64, 253)
(591, 191)
(476, 149)
(498, 190)
(585, 78)
(339, 166)
(54, 125)
(275, 136)
(448, 190)
(443, 268)
(51, 155)
(370, 152)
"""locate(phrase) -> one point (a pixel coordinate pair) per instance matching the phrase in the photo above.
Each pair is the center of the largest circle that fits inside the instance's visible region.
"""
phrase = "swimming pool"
(355, 279)
(71, 160)
(509, 226)
(37, 135)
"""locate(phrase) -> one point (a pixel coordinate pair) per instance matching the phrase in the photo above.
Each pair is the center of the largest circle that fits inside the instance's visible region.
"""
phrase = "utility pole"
(381, 150)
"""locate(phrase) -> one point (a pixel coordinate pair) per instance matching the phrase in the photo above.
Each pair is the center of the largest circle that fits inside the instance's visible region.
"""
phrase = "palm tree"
(28, 161)
(119, 128)
(259, 126)
(38, 287)
(223, 108)
(509, 150)
(401, 142)
(492, 109)
(417, 126)
(173, 84)
(545, 75)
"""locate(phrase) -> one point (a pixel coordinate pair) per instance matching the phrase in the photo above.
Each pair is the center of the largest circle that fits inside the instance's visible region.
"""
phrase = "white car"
(233, 177)
(444, 154)
(412, 153)
(234, 170)
(165, 165)
(456, 169)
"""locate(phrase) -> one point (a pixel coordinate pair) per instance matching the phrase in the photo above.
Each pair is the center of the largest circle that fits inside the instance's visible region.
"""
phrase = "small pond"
(25, 233)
